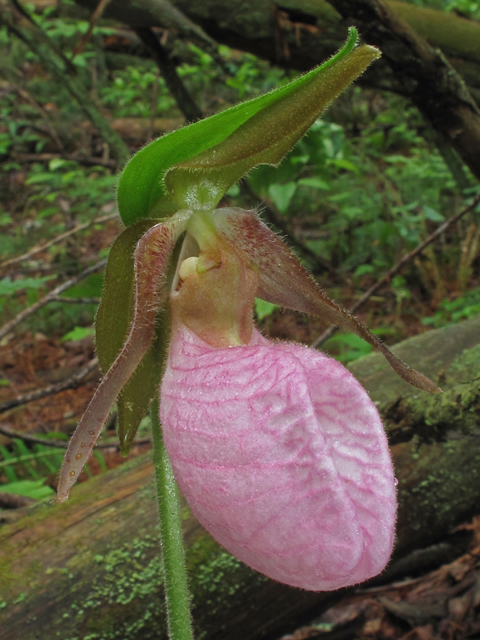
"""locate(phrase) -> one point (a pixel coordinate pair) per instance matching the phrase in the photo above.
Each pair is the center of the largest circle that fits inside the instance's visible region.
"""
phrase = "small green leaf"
(315, 183)
(193, 167)
(363, 269)
(281, 194)
(41, 177)
(340, 163)
(57, 163)
(432, 214)
(8, 470)
(8, 287)
(35, 489)
(263, 309)
(76, 334)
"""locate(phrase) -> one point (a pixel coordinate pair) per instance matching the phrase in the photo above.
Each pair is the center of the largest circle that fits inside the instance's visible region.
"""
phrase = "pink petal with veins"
(282, 457)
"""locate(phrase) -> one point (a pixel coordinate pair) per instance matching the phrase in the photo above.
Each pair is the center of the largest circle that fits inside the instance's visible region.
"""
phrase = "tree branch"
(26, 313)
(169, 72)
(70, 383)
(153, 13)
(312, 31)
(19, 23)
(95, 17)
(328, 333)
(424, 73)
(57, 239)
(60, 444)
(88, 161)
(76, 300)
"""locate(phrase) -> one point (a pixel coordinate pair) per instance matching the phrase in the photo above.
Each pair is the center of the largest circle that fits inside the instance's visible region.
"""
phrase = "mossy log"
(89, 569)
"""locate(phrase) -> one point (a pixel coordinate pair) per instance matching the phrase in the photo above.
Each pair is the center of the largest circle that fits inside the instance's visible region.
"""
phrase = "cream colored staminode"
(188, 267)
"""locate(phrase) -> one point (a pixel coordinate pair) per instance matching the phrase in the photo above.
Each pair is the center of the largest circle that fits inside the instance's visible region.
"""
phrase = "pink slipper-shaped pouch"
(282, 457)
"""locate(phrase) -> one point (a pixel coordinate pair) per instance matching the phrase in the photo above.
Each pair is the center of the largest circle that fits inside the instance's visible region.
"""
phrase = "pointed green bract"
(112, 324)
(194, 166)
(152, 257)
(116, 307)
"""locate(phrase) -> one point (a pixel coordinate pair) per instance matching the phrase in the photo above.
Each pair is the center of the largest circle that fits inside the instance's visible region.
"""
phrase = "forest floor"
(442, 604)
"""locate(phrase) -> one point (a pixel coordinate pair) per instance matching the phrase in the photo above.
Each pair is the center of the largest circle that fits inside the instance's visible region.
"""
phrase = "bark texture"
(412, 65)
(90, 568)
(424, 73)
(299, 34)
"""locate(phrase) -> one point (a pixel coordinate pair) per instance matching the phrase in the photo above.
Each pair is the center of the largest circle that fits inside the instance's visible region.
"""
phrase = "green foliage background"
(366, 185)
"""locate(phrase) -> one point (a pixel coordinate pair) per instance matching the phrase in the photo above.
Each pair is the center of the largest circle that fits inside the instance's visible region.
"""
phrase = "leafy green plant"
(347, 347)
(22, 462)
(35, 489)
(77, 333)
(9, 287)
(264, 309)
(24, 469)
(452, 311)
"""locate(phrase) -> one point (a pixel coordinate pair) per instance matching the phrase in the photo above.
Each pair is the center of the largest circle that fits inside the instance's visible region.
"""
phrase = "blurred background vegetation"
(370, 181)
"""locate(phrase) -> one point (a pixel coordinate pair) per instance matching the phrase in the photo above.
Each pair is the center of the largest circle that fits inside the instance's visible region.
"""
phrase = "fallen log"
(296, 34)
(300, 34)
(89, 569)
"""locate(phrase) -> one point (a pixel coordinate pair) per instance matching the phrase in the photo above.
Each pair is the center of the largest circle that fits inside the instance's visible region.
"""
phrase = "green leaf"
(41, 177)
(263, 309)
(281, 194)
(315, 183)
(362, 269)
(78, 333)
(193, 167)
(8, 470)
(57, 163)
(91, 287)
(35, 489)
(432, 214)
(352, 347)
(8, 287)
(340, 163)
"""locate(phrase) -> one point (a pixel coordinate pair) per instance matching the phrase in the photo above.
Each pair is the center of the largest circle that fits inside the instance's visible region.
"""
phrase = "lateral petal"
(152, 256)
(285, 282)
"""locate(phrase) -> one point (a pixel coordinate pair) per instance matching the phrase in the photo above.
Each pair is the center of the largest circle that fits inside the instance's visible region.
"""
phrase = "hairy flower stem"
(173, 557)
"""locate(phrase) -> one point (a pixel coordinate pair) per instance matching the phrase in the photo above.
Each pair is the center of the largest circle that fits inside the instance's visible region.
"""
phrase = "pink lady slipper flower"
(279, 451)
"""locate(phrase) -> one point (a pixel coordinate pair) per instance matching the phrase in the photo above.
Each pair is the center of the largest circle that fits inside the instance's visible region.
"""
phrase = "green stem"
(176, 589)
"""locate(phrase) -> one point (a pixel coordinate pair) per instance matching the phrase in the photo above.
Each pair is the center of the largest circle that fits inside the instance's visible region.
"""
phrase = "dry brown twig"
(23, 93)
(70, 383)
(88, 161)
(169, 73)
(61, 444)
(26, 313)
(328, 333)
(76, 300)
(96, 15)
(57, 239)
